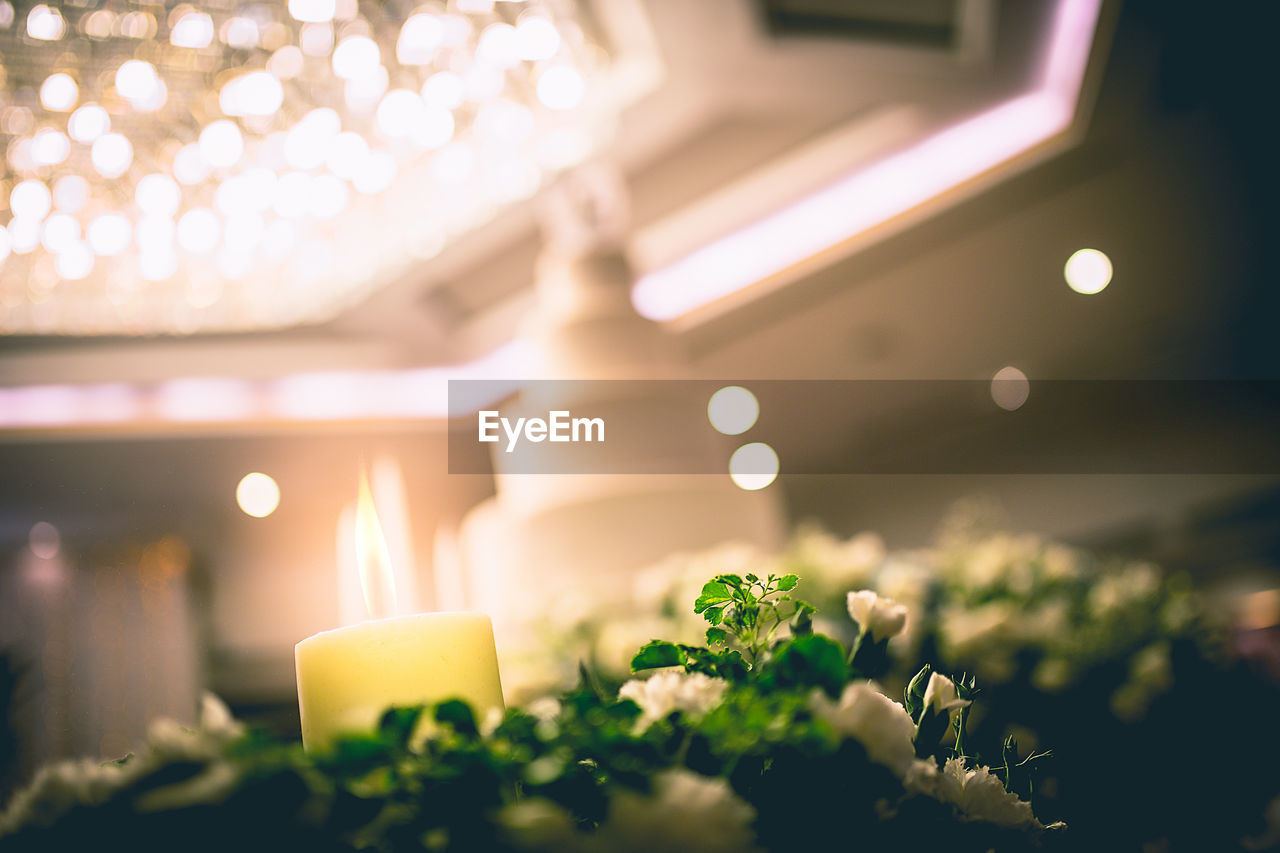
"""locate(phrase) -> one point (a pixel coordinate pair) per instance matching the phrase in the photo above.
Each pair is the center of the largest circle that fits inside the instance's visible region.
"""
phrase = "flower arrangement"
(985, 604)
(767, 735)
(1108, 660)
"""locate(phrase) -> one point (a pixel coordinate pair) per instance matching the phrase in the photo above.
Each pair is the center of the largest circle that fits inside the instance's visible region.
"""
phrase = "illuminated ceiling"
(219, 166)
(748, 131)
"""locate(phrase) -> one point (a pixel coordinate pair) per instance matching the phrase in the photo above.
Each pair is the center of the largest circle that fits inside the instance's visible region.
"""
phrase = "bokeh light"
(59, 92)
(753, 466)
(144, 112)
(1088, 271)
(257, 495)
(44, 540)
(561, 87)
(733, 410)
(1010, 388)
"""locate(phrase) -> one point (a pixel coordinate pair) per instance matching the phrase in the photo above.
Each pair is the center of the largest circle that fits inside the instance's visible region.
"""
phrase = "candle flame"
(373, 558)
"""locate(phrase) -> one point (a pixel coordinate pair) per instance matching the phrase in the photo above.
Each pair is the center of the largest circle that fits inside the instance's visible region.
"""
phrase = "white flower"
(904, 580)
(210, 785)
(819, 556)
(1060, 562)
(880, 617)
(544, 708)
(987, 563)
(921, 776)
(538, 824)
(978, 794)
(966, 631)
(940, 695)
(659, 696)
(216, 719)
(60, 786)
(881, 725)
(684, 812)
(1050, 620)
(169, 740)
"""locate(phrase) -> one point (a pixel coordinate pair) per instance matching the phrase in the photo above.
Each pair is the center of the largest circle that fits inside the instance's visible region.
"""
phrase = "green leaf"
(717, 635)
(733, 666)
(802, 618)
(752, 578)
(731, 580)
(811, 660)
(458, 714)
(352, 751)
(397, 724)
(787, 582)
(714, 615)
(658, 653)
(714, 592)
(727, 665)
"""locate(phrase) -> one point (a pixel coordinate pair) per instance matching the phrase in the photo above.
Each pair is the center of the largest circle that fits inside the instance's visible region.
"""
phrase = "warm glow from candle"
(349, 676)
(373, 558)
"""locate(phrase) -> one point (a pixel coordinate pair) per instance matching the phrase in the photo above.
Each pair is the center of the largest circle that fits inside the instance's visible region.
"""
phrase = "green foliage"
(656, 654)
(810, 660)
(397, 724)
(436, 779)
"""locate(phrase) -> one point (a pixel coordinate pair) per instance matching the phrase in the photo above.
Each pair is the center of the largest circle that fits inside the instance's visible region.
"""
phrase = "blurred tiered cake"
(543, 536)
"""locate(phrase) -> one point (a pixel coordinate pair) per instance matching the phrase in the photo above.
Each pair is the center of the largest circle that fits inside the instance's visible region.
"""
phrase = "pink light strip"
(315, 396)
(874, 194)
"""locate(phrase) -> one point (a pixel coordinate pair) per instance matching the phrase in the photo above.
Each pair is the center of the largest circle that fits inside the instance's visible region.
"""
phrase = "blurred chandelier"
(231, 165)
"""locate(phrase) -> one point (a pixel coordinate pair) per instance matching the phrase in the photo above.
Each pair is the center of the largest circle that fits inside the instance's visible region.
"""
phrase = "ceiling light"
(313, 11)
(193, 30)
(58, 93)
(356, 58)
(221, 144)
(44, 23)
(111, 155)
(159, 195)
(561, 87)
(109, 234)
(74, 262)
(61, 231)
(88, 123)
(70, 192)
(30, 200)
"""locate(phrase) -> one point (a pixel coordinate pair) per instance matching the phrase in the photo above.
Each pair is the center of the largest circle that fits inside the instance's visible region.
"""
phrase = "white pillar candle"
(347, 677)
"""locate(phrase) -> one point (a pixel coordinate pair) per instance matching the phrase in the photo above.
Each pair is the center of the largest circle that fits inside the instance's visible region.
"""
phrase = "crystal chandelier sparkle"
(236, 165)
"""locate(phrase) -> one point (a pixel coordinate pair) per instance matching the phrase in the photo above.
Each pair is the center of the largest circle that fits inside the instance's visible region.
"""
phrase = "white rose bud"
(879, 617)
(940, 695)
